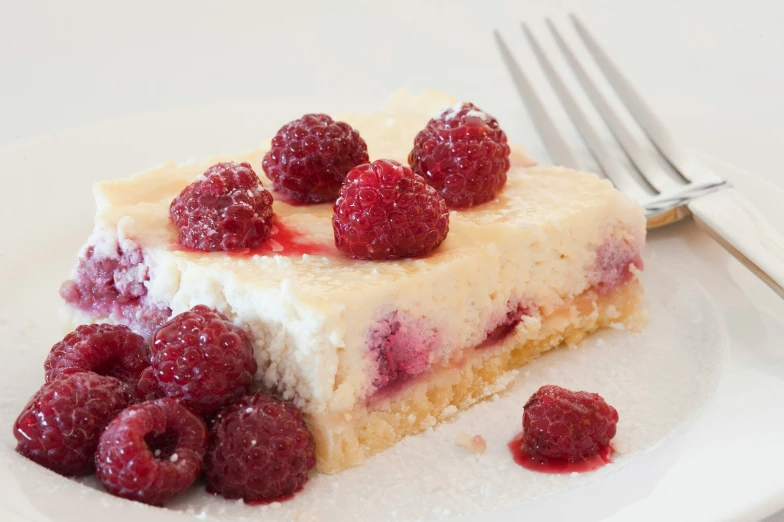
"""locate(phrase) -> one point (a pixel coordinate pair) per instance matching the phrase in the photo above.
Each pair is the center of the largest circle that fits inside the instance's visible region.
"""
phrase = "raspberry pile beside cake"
(373, 340)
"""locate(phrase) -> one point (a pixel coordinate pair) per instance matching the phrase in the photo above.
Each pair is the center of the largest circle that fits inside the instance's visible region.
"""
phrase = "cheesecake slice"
(374, 351)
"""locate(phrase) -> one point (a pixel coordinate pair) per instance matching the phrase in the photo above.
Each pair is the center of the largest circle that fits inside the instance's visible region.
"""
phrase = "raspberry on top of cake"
(376, 330)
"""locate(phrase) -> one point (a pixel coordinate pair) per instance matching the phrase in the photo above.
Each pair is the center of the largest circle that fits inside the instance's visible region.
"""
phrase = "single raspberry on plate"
(567, 425)
(463, 154)
(226, 208)
(385, 211)
(259, 450)
(105, 349)
(311, 156)
(202, 359)
(151, 451)
(60, 425)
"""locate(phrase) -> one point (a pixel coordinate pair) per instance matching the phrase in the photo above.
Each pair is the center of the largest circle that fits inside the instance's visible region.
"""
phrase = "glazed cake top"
(533, 197)
(315, 318)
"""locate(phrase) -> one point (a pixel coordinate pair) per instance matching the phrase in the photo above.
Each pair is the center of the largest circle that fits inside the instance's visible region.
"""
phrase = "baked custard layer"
(348, 439)
(372, 351)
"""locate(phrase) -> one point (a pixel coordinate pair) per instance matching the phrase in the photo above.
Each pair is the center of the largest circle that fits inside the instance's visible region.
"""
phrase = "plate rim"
(762, 508)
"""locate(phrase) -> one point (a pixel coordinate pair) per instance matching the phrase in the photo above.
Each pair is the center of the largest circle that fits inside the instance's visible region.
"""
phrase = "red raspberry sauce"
(292, 242)
(283, 241)
(544, 465)
(288, 200)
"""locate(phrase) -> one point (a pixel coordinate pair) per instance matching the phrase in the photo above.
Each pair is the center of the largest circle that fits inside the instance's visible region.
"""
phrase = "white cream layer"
(310, 316)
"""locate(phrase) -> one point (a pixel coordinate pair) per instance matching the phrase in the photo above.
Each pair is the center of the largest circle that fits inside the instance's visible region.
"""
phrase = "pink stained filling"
(504, 328)
(114, 287)
(400, 348)
(283, 241)
(142, 317)
(614, 261)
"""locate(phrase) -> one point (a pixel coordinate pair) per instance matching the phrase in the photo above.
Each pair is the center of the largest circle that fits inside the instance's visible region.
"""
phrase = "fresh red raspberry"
(60, 425)
(385, 211)
(311, 156)
(463, 153)
(101, 348)
(151, 451)
(202, 359)
(226, 208)
(566, 425)
(259, 450)
(147, 387)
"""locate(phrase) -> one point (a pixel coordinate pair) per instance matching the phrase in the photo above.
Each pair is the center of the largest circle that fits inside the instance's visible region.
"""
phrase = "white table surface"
(713, 69)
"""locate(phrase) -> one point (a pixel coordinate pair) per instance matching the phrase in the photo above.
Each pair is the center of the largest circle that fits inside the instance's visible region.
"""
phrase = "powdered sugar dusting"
(656, 379)
(450, 109)
(401, 347)
(454, 109)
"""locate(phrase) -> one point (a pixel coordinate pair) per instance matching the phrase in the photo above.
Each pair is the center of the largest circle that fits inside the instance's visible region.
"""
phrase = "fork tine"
(644, 162)
(683, 162)
(557, 149)
(612, 168)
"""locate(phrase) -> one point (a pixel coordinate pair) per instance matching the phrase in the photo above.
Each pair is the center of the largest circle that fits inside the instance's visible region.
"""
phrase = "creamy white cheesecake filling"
(331, 332)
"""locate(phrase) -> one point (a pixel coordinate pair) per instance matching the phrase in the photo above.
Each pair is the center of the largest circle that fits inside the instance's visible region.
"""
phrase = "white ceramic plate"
(699, 391)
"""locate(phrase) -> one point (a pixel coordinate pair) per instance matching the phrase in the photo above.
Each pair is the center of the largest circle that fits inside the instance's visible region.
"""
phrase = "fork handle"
(744, 232)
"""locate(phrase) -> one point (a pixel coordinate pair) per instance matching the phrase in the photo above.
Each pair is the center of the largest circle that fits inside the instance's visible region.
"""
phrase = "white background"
(65, 64)
(713, 70)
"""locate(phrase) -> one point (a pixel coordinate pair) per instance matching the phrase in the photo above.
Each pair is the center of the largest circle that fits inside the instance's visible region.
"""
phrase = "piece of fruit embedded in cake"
(384, 311)
(109, 283)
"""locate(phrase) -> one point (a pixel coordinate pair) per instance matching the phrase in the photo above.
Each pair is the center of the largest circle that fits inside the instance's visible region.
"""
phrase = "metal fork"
(716, 207)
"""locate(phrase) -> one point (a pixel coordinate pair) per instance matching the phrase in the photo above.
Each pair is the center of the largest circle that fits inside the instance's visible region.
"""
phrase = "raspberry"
(60, 425)
(614, 261)
(311, 156)
(226, 208)
(147, 387)
(259, 450)
(385, 211)
(101, 348)
(151, 451)
(566, 425)
(463, 153)
(401, 349)
(203, 359)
